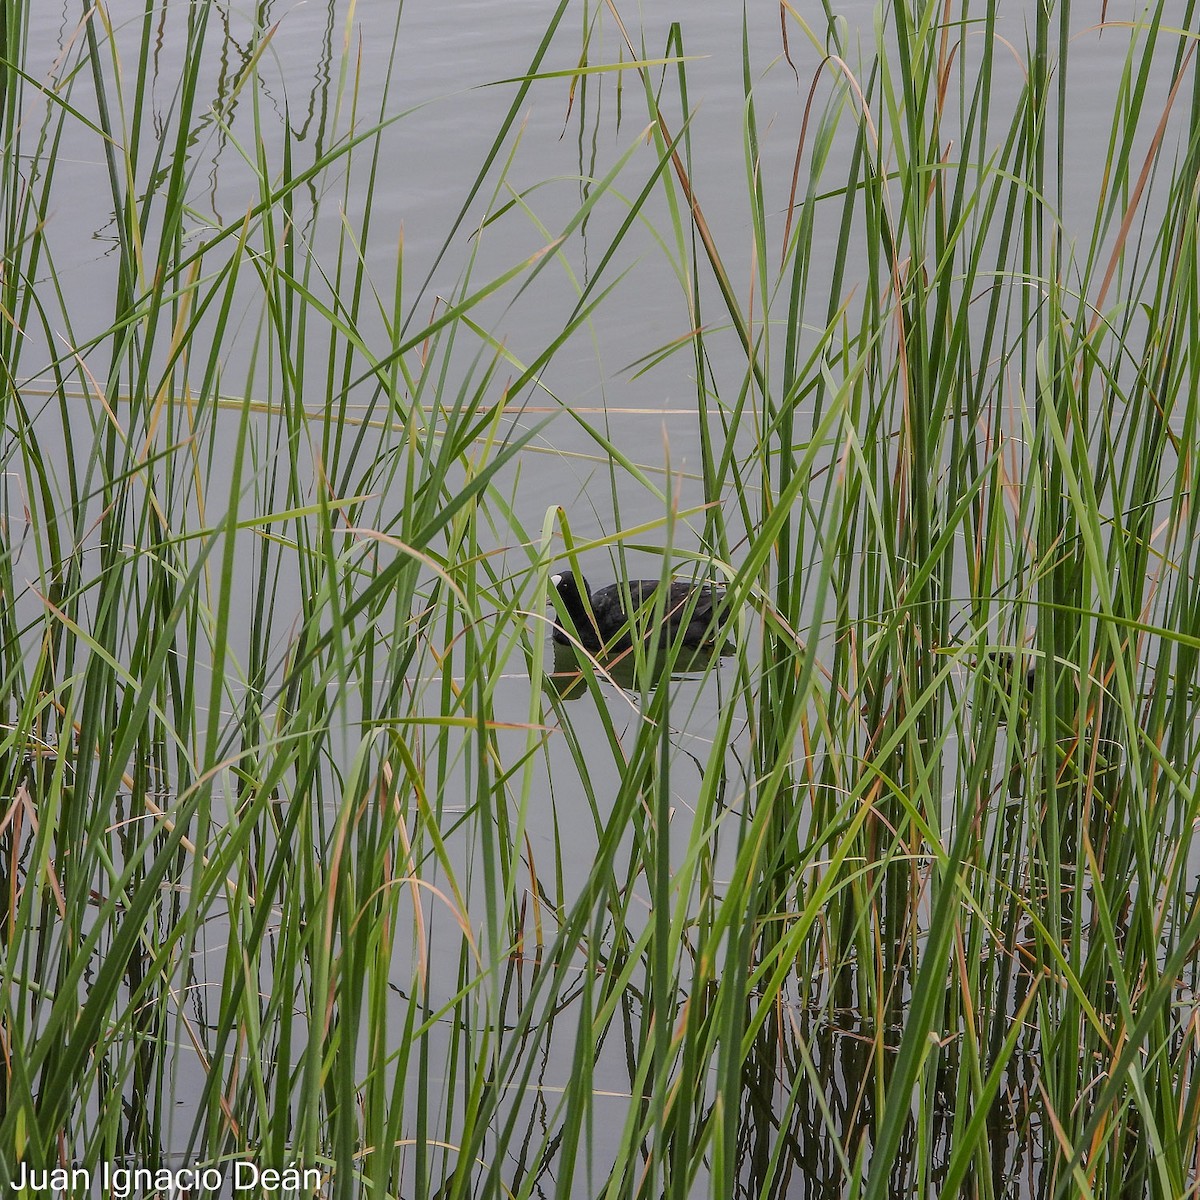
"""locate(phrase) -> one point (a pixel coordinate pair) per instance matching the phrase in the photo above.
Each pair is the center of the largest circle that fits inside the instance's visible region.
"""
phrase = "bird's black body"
(691, 612)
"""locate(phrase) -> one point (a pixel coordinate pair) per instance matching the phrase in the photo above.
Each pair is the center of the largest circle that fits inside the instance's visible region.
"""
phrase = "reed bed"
(315, 852)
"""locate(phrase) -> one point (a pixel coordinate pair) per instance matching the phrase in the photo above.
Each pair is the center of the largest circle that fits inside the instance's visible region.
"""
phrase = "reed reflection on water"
(330, 333)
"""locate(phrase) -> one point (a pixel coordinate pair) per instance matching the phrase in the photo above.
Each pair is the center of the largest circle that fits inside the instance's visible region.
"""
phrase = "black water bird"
(691, 612)
(1009, 667)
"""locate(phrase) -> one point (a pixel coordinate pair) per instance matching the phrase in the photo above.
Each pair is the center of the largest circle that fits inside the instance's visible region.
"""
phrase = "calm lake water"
(447, 90)
(445, 72)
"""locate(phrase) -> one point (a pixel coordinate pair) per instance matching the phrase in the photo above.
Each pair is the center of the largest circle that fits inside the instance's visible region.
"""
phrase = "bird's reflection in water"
(569, 677)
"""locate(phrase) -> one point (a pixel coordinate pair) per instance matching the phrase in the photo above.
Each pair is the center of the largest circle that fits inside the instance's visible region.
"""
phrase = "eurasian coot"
(690, 612)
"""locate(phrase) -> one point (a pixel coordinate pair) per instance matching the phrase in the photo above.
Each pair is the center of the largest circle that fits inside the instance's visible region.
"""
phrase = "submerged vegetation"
(308, 857)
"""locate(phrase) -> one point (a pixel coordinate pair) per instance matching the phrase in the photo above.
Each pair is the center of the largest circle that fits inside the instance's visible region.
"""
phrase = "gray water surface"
(449, 69)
